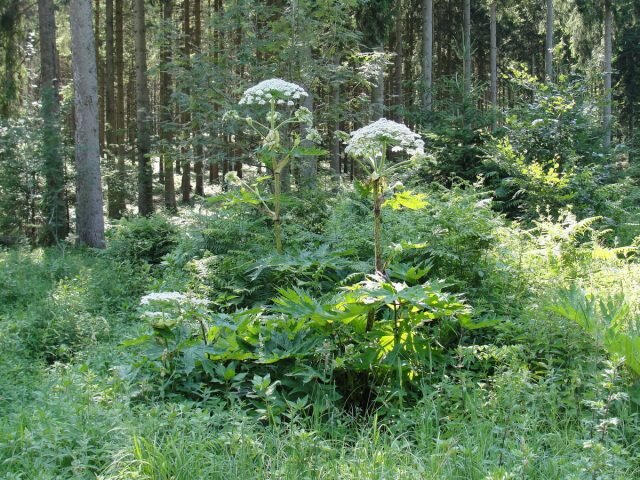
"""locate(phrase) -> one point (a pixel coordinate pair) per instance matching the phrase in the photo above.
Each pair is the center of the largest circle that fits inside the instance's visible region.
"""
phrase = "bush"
(142, 239)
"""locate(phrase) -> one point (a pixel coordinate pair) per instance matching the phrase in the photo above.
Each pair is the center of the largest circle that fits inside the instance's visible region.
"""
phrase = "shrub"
(142, 239)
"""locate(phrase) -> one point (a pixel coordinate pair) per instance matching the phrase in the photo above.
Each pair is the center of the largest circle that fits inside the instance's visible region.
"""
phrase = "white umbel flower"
(281, 91)
(370, 140)
(172, 297)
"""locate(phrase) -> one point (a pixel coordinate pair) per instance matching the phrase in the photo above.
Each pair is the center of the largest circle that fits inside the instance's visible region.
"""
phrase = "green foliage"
(549, 152)
(143, 239)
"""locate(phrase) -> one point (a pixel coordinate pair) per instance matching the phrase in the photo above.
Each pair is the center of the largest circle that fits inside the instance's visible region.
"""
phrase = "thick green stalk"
(377, 225)
(277, 227)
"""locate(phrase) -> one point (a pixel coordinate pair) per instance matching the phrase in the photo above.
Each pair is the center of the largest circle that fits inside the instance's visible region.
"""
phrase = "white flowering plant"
(369, 146)
(275, 151)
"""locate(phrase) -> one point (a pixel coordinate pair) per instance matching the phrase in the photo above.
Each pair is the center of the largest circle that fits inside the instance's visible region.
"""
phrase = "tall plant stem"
(277, 227)
(377, 224)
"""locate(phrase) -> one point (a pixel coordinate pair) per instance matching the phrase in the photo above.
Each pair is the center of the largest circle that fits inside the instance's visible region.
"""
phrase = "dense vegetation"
(355, 245)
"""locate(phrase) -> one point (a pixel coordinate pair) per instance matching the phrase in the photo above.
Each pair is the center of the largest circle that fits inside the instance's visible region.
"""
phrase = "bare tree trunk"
(608, 37)
(166, 109)
(197, 45)
(186, 117)
(143, 117)
(335, 141)
(54, 200)
(548, 53)
(120, 116)
(494, 60)
(467, 48)
(101, 106)
(89, 214)
(377, 94)
(398, 100)
(113, 196)
(427, 54)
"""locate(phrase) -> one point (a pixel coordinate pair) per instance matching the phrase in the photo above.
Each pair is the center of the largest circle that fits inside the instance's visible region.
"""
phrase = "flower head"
(172, 297)
(280, 91)
(370, 140)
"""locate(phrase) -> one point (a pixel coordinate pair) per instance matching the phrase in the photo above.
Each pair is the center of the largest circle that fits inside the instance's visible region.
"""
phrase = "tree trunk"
(54, 199)
(427, 54)
(113, 196)
(143, 116)
(548, 53)
(494, 61)
(398, 100)
(608, 37)
(467, 49)
(120, 115)
(335, 141)
(89, 214)
(101, 106)
(197, 45)
(186, 117)
(377, 94)
(165, 109)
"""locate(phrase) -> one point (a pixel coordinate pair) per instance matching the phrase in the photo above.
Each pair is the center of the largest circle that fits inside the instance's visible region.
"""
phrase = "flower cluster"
(371, 139)
(172, 297)
(276, 90)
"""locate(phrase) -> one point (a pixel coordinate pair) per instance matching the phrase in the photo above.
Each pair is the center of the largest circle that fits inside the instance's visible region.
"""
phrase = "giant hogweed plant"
(279, 142)
(369, 146)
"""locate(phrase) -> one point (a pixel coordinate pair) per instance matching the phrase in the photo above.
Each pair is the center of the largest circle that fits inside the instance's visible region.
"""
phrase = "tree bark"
(377, 94)
(548, 53)
(89, 214)
(185, 116)
(197, 45)
(494, 60)
(398, 75)
(608, 37)
(166, 117)
(467, 48)
(113, 196)
(427, 54)
(120, 109)
(54, 200)
(143, 116)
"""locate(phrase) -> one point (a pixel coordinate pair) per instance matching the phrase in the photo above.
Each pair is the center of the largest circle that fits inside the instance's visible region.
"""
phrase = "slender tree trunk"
(427, 54)
(101, 106)
(467, 48)
(89, 214)
(494, 60)
(377, 94)
(113, 195)
(335, 141)
(120, 109)
(54, 199)
(166, 117)
(143, 117)
(398, 75)
(548, 53)
(186, 117)
(608, 37)
(197, 45)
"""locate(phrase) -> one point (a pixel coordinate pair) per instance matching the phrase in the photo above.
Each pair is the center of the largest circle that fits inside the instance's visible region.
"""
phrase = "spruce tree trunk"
(398, 100)
(185, 116)
(100, 67)
(165, 110)
(89, 214)
(427, 54)
(377, 94)
(120, 109)
(54, 199)
(467, 49)
(197, 46)
(608, 37)
(143, 116)
(548, 53)
(113, 196)
(335, 141)
(494, 60)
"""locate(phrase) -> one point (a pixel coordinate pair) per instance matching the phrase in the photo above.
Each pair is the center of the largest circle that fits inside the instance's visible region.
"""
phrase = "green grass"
(510, 411)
